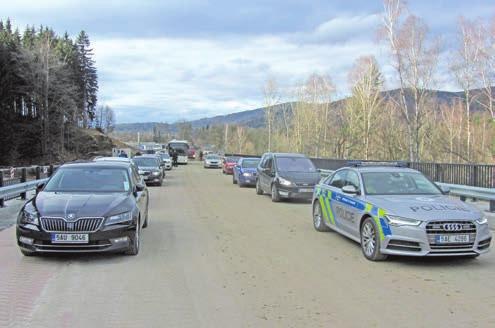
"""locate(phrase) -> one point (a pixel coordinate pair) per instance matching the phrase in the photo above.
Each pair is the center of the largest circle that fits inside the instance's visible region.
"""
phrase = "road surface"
(216, 255)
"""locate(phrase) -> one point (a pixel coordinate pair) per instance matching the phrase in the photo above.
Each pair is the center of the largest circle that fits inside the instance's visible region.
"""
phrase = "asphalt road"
(216, 255)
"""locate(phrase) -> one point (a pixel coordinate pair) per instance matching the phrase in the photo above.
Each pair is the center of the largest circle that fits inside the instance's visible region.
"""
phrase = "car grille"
(146, 173)
(80, 225)
(462, 227)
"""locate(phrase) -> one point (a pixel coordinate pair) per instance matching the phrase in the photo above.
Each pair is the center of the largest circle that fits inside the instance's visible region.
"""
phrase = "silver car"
(398, 211)
(212, 161)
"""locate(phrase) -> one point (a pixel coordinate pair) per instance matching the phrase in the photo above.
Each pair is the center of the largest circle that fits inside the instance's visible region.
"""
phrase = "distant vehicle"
(398, 211)
(245, 171)
(212, 161)
(286, 176)
(166, 160)
(117, 160)
(191, 154)
(182, 149)
(150, 169)
(228, 164)
(86, 207)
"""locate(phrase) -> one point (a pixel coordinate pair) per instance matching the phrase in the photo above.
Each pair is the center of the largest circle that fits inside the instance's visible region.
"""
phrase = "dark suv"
(288, 176)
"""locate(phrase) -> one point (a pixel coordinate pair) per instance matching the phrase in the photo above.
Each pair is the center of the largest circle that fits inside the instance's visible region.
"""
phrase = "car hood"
(310, 178)
(425, 207)
(61, 204)
(247, 170)
(148, 168)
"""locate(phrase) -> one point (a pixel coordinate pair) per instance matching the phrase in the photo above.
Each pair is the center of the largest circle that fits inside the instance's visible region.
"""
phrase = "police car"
(395, 210)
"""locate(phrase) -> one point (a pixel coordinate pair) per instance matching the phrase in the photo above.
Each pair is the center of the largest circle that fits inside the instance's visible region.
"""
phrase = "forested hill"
(48, 93)
(255, 118)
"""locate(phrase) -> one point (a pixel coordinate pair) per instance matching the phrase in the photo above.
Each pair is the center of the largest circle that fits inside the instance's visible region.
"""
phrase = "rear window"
(250, 163)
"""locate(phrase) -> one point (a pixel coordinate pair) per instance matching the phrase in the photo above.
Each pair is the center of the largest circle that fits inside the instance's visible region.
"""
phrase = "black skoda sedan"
(86, 207)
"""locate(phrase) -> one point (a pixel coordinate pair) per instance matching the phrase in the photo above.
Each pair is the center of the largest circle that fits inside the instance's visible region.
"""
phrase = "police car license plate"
(70, 238)
(452, 239)
(305, 190)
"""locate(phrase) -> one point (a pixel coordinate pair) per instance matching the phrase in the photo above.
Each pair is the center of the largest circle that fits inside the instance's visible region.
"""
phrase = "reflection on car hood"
(148, 168)
(311, 178)
(425, 207)
(61, 204)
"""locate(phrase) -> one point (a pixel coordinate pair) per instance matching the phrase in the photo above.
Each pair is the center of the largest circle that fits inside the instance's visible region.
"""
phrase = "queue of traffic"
(389, 209)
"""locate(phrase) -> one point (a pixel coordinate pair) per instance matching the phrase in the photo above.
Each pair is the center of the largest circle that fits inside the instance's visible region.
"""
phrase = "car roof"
(381, 168)
(146, 156)
(250, 158)
(97, 164)
(113, 159)
(288, 155)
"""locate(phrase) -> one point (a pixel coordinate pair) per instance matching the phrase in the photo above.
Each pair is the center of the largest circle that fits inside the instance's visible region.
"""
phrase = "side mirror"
(39, 188)
(445, 190)
(139, 187)
(349, 189)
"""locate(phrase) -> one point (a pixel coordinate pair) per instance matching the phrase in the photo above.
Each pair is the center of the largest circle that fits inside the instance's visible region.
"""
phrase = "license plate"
(305, 190)
(452, 239)
(248, 181)
(72, 238)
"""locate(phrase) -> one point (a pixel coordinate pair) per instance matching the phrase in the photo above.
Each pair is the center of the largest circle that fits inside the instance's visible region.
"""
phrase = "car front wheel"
(275, 194)
(259, 191)
(318, 218)
(370, 241)
(135, 241)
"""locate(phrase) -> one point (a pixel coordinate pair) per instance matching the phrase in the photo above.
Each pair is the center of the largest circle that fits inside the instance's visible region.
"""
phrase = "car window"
(250, 163)
(398, 183)
(338, 179)
(352, 179)
(295, 164)
(269, 163)
(89, 179)
(263, 161)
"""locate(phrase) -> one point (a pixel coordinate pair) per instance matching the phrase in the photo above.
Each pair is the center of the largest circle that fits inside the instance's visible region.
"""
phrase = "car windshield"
(398, 183)
(89, 179)
(145, 161)
(250, 163)
(213, 157)
(295, 164)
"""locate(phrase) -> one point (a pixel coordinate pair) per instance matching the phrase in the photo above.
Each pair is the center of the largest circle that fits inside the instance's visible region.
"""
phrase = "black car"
(288, 176)
(86, 207)
(150, 168)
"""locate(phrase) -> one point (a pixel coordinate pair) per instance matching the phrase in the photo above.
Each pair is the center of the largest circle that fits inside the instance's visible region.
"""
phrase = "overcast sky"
(186, 59)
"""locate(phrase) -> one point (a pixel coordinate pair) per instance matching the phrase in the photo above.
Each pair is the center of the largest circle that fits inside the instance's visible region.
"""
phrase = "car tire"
(370, 241)
(234, 181)
(145, 224)
(275, 194)
(135, 241)
(318, 222)
(259, 191)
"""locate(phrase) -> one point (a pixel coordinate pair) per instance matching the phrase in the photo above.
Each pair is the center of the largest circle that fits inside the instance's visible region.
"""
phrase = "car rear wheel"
(370, 241)
(259, 191)
(135, 241)
(318, 218)
(275, 194)
(234, 181)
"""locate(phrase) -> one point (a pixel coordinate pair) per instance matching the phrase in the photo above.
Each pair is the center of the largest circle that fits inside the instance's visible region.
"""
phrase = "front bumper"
(152, 179)
(305, 192)
(114, 238)
(213, 165)
(168, 165)
(415, 241)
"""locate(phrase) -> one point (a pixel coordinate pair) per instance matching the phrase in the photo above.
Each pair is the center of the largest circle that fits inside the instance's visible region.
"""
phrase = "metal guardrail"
(464, 192)
(16, 190)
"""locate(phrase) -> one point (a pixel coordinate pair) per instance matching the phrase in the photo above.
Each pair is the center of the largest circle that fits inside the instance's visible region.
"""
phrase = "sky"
(165, 61)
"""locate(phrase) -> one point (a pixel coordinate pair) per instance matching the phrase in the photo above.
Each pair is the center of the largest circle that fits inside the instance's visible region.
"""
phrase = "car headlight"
(156, 173)
(482, 220)
(400, 221)
(141, 172)
(247, 174)
(29, 217)
(119, 218)
(284, 182)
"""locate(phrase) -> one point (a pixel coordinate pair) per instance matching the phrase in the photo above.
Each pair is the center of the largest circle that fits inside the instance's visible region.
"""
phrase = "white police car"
(394, 210)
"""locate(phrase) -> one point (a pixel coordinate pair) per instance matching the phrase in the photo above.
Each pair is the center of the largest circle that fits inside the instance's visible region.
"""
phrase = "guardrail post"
(492, 206)
(23, 179)
(38, 173)
(2, 201)
(50, 171)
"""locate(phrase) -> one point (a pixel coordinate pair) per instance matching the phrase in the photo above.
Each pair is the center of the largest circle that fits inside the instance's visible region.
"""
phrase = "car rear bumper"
(247, 181)
(111, 239)
(216, 166)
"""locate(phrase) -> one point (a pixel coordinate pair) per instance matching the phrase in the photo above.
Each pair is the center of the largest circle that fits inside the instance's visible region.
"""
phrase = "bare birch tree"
(271, 98)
